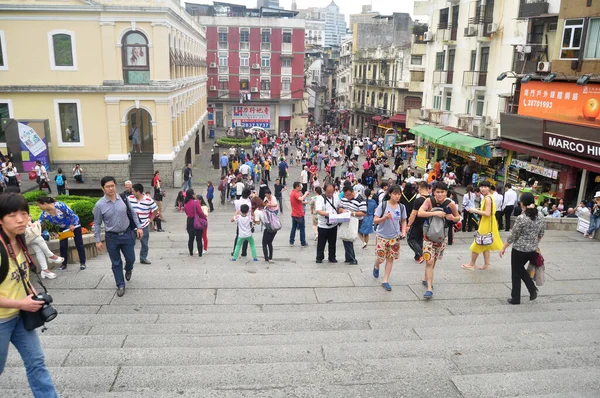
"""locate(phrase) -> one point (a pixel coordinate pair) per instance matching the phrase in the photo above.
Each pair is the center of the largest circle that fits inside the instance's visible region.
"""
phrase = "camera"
(47, 312)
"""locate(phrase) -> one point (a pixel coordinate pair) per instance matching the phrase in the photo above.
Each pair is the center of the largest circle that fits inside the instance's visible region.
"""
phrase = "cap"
(597, 195)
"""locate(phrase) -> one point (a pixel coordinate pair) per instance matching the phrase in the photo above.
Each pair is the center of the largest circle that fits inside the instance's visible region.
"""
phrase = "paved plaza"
(207, 327)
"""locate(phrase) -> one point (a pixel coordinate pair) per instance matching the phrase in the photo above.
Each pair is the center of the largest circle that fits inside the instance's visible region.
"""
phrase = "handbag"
(32, 175)
(349, 230)
(199, 223)
(487, 239)
(538, 259)
(65, 234)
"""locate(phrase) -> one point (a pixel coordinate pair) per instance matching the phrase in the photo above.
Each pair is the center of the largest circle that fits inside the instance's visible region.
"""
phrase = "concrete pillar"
(582, 185)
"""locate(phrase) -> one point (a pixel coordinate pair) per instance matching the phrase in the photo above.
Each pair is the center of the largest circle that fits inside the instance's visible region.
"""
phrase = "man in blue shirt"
(224, 164)
(283, 168)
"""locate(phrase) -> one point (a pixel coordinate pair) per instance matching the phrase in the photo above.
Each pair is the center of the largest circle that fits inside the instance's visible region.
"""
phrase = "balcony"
(448, 35)
(265, 46)
(265, 70)
(223, 93)
(286, 94)
(286, 48)
(415, 86)
(533, 8)
(265, 94)
(245, 70)
(472, 78)
(286, 70)
(223, 70)
(245, 45)
(223, 45)
(443, 76)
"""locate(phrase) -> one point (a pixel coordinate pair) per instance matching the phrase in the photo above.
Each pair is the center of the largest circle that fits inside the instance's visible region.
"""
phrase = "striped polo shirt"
(143, 208)
(356, 204)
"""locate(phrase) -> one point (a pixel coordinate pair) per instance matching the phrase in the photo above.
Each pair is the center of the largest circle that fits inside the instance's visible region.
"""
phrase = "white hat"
(597, 195)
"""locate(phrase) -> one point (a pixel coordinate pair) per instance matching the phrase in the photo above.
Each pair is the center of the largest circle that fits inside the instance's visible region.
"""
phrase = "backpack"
(271, 222)
(376, 196)
(60, 180)
(435, 228)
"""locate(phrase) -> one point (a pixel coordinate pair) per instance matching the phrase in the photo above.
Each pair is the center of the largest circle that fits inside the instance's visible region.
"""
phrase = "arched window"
(136, 68)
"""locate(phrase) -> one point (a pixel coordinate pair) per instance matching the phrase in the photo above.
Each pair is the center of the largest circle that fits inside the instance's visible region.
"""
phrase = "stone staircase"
(141, 169)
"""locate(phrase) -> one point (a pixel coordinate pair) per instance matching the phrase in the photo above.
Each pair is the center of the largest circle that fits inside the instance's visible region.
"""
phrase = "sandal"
(484, 268)
(467, 266)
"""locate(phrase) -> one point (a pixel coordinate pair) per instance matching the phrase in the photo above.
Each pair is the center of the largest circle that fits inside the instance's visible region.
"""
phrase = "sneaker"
(233, 259)
(56, 259)
(255, 260)
(82, 267)
(47, 274)
(304, 245)
(375, 273)
(428, 294)
(420, 260)
(386, 286)
(204, 251)
(291, 245)
(62, 268)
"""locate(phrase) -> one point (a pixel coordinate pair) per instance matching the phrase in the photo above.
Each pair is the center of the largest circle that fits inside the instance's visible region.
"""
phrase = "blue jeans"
(28, 345)
(594, 224)
(115, 245)
(298, 222)
(187, 184)
(144, 241)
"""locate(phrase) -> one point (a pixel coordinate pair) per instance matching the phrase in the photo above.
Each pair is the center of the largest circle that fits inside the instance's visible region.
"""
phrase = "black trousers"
(508, 211)
(210, 205)
(268, 175)
(349, 253)
(244, 245)
(468, 223)
(518, 260)
(282, 177)
(500, 219)
(326, 236)
(194, 234)
(415, 241)
(267, 244)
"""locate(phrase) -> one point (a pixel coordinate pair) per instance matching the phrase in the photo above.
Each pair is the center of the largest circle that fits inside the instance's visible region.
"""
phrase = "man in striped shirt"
(146, 209)
(356, 205)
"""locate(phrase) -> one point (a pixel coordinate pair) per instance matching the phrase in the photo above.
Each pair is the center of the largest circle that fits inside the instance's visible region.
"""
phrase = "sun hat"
(597, 195)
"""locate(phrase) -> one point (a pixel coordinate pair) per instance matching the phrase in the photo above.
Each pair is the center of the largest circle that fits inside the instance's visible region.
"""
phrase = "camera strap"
(30, 263)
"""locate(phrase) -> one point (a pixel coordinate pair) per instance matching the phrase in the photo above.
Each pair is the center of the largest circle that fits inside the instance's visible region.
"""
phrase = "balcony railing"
(286, 70)
(245, 45)
(223, 45)
(286, 48)
(533, 8)
(265, 46)
(449, 34)
(443, 76)
(265, 70)
(474, 78)
(265, 94)
(286, 94)
(223, 70)
(223, 93)
(244, 70)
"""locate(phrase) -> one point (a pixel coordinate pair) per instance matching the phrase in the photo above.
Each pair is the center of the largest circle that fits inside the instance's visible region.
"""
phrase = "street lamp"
(526, 79)
(504, 75)
(584, 79)
(551, 76)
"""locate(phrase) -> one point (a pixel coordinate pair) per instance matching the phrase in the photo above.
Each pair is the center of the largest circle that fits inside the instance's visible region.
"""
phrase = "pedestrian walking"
(205, 229)
(434, 250)
(488, 236)
(210, 195)
(33, 237)
(42, 176)
(390, 218)
(146, 209)
(313, 211)
(245, 227)
(16, 293)
(526, 235)
(469, 219)
(594, 217)
(355, 204)
(265, 215)
(365, 228)
(61, 215)
(415, 223)
(158, 194)
(297, 205)
(279, 188)
(508, 207)
(187, 177)
(195, 223)
(121, 229)
(499, 200)
(327, 204)
(222, 187)
(244, 199)
(283, 170)
(224, 161)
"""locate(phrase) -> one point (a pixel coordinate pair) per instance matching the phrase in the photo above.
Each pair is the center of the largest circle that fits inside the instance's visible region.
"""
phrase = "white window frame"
(264, 57)
(4, 56)
(477, 101)
(247, 30)
(10, 114)
(51, 50)
(59, 127)
(221, 58)
(414, 58)
(287, 80)
(246, 57)
(286, 60)
(572, 28)
(588, 40)
(437, 102)
(447, 96)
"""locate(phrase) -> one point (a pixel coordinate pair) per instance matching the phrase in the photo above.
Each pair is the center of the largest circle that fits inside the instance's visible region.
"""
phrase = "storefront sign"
(562, 102)
(211, 116)
(250, 116)
(390, 140)
(535, 169)
(572, 146)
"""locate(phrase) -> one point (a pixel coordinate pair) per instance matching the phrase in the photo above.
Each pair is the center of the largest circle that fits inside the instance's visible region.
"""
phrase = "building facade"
(147, 68)
(334, 22)
(255, 70)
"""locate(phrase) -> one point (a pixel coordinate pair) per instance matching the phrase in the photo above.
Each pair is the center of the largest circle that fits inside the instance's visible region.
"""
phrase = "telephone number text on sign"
(537, 104)
(248, 125)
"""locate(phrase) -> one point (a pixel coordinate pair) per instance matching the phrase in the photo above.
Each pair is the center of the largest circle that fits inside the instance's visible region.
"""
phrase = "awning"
(429, 133)
(398, 118)
(462, 142)
(376, 118)
(403, 143)
(551, 155)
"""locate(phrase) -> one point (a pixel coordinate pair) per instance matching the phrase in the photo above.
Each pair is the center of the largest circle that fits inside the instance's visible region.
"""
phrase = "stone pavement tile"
(525, 327)
(293, 337)
(70, 341)
(574, 272)
(171, 296)
(54, 357)
(166, 280)
(536, 306)
(571, 287)
(178, 309)
(66, 330)
(578, 355)
(463, 291)
(80, 280)
(453, 348)
(228, 328)
(99, 319)
(358, 294)
(182, 356)
(434, 371)
(82, 296)
(90, 379)
(457, 276)
(76, 309)
(551, 381)
(265, 296)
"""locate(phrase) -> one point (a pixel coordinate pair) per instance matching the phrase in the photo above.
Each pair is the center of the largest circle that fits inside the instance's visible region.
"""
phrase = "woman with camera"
(15, 300)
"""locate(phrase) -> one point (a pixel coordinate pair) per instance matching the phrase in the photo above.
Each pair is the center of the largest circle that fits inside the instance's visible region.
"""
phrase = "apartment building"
(334, 22)
(77, 78)
(255, 65)
(343, 83)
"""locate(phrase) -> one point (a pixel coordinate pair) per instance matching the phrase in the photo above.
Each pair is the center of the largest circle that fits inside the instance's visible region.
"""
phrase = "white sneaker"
(47, 274)
(56, 259)
(204, 251)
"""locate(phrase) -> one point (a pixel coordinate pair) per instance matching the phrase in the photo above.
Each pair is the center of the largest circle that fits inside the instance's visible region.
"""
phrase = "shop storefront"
(553, 143)
(459, 150)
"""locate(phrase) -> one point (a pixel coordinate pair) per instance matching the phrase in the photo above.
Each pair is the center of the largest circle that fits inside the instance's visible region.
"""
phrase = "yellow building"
(95, 68)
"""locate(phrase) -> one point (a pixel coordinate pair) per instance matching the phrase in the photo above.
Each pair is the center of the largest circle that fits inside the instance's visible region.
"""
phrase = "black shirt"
(186, 173)
(419, 221)
(278, 189)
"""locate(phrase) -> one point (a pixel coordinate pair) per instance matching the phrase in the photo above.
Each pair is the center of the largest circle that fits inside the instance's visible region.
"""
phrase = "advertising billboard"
(249, 116)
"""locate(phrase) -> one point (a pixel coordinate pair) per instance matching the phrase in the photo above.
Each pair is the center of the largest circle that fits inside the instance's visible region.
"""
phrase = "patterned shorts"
(387, 248)
(433, 250)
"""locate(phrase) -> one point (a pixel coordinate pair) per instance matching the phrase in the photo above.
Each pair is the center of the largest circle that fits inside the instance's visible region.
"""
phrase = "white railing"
(244, 45)
(244, 70)
(265, 70)
(223, 45)
(223, 70)
(286, 48)
(286, 70)
(265, 46)
(265, 94)
(223, 93)
(286, 94)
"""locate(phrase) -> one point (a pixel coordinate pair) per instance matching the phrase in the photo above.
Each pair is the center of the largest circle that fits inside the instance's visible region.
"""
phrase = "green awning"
(429, 133)
(462, 142)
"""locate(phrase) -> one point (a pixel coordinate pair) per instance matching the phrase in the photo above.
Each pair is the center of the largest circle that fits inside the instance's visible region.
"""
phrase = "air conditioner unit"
(424, 114)
(470, 31)
(255, 66)
(212, 88)
(254, 89)
(492, 27)
(491, 133)
(479, 130)
(212, 65)
(428, 36)
(543, 66)
(527, 49)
